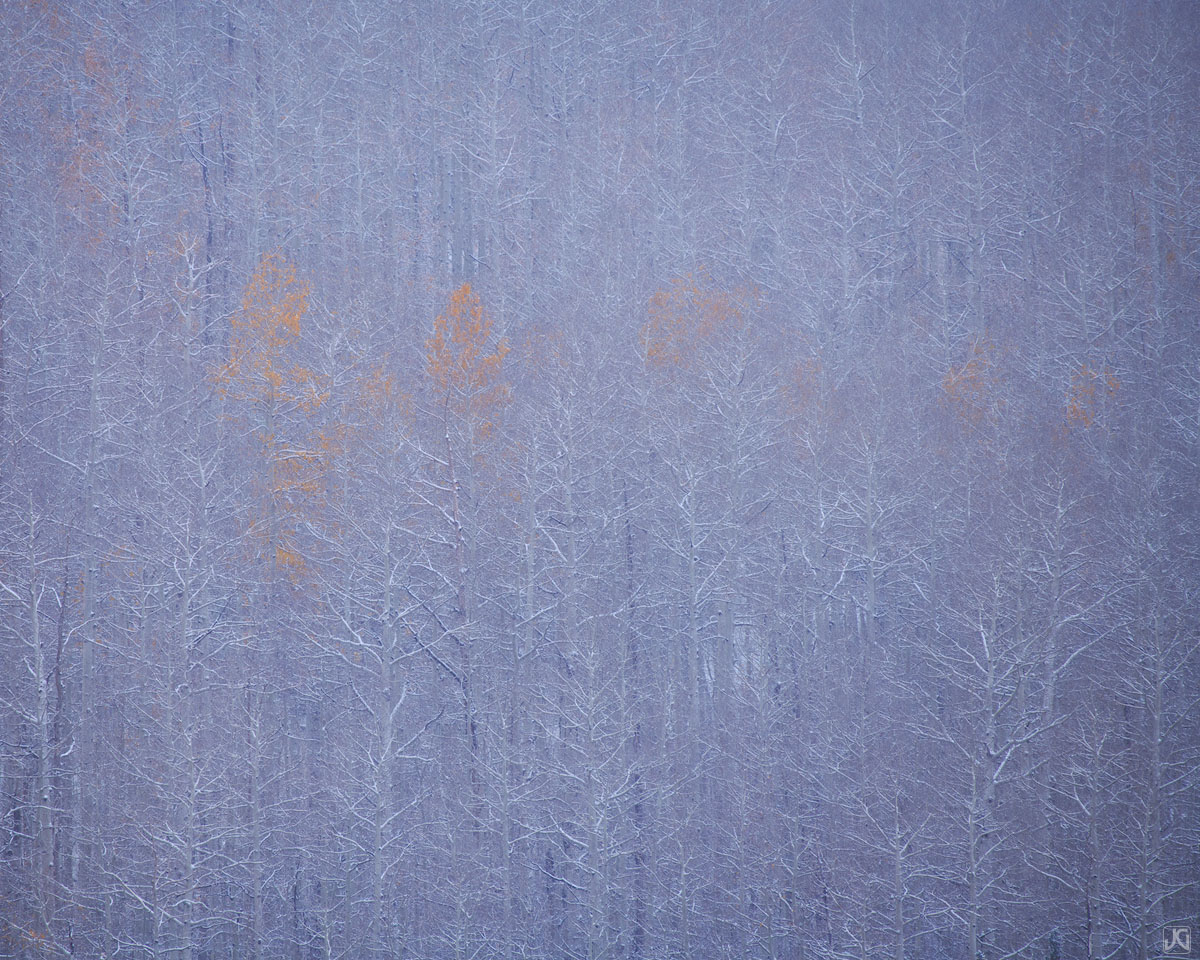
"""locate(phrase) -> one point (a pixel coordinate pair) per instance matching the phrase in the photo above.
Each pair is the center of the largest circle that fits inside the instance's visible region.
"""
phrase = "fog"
(599, 480)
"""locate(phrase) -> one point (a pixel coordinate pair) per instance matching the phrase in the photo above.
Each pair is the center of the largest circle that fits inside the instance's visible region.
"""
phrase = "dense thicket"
(578, 480)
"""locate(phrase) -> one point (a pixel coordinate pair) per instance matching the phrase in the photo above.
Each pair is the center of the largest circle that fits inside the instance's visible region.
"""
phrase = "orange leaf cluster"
(260, 376)
(462, 362)
(970, 387)
(381, 397)
(686, 315)
(1088, 388)
(273, 303)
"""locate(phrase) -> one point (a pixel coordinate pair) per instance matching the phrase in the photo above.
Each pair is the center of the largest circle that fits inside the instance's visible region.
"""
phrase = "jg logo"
(1177, 941)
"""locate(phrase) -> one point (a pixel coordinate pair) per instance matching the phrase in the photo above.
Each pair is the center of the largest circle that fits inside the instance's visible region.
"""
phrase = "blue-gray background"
(785, 547)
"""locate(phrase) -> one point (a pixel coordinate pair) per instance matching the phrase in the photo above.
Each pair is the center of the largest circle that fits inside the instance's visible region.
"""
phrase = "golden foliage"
(267, 388)
(545, 347)
(465, 367)
(273, 303)
(1088, 388)
(688, 314)
(101, 140)
(380, 397)
(970, 389)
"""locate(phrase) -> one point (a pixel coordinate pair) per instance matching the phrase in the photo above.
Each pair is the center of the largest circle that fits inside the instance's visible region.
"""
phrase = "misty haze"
(574, 480)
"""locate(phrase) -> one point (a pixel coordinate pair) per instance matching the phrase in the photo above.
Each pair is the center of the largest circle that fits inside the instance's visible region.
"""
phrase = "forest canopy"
(594, 480)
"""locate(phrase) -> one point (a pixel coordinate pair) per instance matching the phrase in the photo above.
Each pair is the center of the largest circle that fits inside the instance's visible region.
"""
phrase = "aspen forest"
(587, 480)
